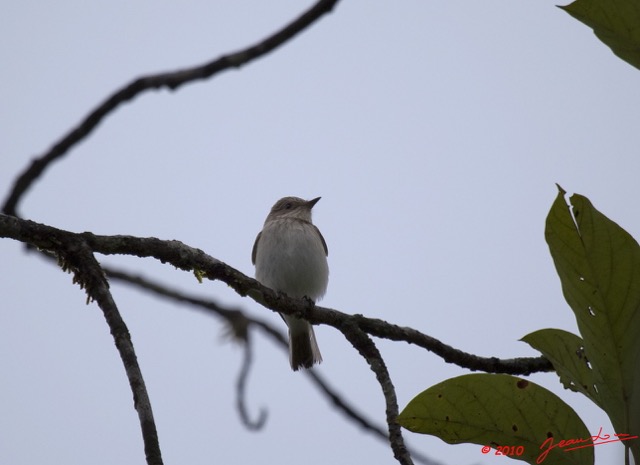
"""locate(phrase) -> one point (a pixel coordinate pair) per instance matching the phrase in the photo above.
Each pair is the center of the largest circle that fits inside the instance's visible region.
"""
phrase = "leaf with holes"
(566, 352)
(599, 267)
(500, 411)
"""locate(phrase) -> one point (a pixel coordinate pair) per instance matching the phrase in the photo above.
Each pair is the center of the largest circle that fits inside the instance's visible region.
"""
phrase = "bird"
(290, 256)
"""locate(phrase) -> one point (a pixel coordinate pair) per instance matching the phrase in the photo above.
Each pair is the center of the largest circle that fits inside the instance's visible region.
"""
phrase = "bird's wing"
(324, 244)
(254, 251)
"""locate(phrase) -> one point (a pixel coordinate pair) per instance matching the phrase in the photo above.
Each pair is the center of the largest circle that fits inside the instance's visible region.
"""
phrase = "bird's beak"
(312, 202)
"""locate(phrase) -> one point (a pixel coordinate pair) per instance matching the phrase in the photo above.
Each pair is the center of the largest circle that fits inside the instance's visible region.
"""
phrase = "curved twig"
(237, 323)
(367, 348)
(170, 80)
(78, 258)
(241, 384)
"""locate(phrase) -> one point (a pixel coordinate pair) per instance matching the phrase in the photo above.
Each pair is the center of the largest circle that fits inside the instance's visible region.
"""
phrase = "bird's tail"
(303, 348)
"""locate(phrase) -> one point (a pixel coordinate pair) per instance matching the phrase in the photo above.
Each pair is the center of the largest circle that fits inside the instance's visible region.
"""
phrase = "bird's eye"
(287, 206)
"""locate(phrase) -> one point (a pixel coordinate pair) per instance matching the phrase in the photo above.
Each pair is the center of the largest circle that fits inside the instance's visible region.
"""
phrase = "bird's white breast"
(291, 258)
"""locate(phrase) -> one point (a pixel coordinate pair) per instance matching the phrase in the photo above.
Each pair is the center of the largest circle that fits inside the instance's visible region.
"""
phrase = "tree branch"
(77, 257)
(366, 347)
(170, 80)
(190, 259)
(240, 324)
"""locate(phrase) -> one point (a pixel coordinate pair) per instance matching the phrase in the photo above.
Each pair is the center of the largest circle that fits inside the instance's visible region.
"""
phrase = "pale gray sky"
(434, 132)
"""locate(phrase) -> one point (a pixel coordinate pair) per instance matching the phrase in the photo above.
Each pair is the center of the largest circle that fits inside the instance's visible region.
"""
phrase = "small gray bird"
(290, 256)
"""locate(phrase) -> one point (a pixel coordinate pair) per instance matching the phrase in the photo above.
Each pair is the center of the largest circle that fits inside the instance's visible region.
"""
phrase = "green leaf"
(499, 410)
(614, 22)
(599, 267)
(566, 352)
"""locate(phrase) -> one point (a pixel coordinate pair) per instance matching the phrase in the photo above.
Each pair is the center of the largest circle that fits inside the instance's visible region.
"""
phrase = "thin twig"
(237, 322)
(170, 80)
(367, 348)
(241, 384)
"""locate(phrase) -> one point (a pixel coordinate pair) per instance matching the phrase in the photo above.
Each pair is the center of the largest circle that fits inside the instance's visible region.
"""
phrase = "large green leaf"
(599, 267)
(566, 352)
(615, 22)
(499, 410)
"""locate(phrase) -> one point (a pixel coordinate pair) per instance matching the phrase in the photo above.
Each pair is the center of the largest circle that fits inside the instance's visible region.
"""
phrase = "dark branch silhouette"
(75, 253)
(239, 324)
(237, 328)
(195, 260)
(76, 257)
(366, 347)
(79, 258)
(241, 384)
(169, 80)
(204, 266)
